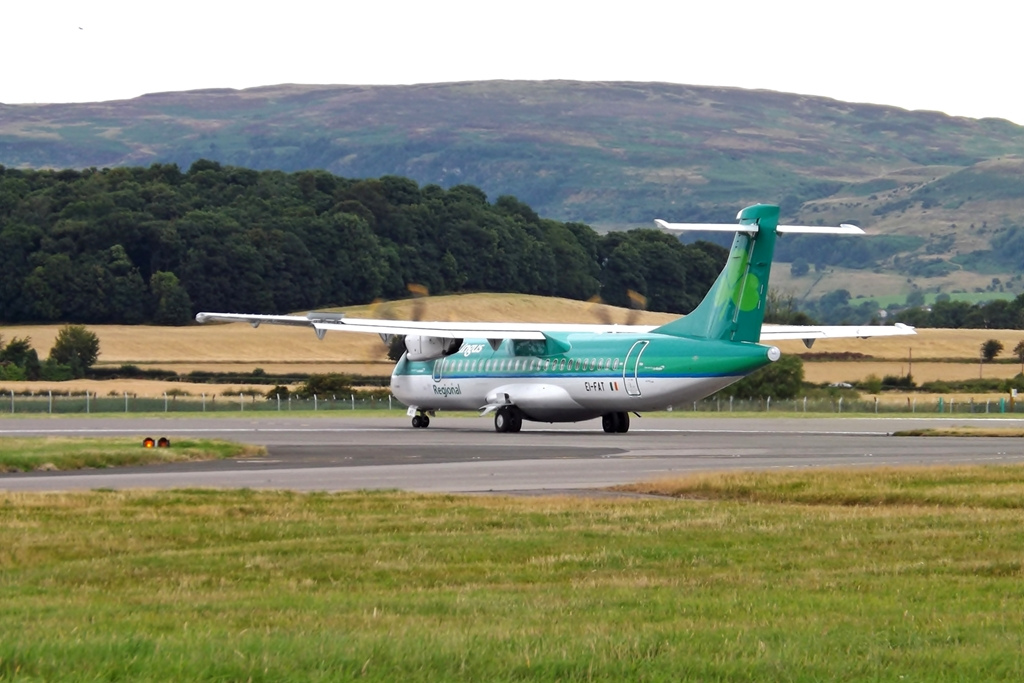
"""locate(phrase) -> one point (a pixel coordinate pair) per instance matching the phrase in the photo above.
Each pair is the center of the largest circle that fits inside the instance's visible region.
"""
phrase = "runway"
(466, 455)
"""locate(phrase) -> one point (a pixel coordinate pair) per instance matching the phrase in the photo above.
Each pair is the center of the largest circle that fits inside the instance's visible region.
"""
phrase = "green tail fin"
(733, 309)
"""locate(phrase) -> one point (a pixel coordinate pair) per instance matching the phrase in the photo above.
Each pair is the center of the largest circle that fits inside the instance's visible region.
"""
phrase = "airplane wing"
(324, 322)
(810, 333)
(337, 322)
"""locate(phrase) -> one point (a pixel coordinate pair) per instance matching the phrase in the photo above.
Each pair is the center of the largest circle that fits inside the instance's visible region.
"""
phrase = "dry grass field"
(277, 349)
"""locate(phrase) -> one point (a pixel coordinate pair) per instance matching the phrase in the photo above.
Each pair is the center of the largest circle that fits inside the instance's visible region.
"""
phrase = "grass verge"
(244, 585)
(56, 453)
(963, 431)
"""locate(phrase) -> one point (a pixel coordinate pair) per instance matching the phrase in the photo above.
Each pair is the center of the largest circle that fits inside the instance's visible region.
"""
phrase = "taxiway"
(466, 455)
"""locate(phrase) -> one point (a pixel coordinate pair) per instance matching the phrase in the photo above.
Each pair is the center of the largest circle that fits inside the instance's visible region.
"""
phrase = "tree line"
(998, 314)
(155, 245)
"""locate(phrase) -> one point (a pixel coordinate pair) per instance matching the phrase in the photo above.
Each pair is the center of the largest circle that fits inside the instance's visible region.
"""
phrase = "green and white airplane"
(568, 373)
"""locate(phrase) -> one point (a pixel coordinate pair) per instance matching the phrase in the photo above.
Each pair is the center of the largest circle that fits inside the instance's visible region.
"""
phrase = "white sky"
(963, 59)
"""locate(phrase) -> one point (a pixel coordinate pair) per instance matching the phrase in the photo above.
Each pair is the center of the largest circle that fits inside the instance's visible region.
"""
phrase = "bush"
(870, 384)
(898, 382)
(782, 379)
(279, 390)
(51, 371)
(11, 372)
(334, 384)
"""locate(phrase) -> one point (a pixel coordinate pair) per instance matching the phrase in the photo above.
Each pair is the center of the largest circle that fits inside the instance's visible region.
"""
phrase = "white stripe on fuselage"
(594, 395)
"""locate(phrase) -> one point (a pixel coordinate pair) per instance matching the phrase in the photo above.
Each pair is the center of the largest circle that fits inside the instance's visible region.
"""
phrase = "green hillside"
(612, 155)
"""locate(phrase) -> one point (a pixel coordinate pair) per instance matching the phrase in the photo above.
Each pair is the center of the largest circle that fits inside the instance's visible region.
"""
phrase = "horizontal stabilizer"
(843, 229)
(809, 332)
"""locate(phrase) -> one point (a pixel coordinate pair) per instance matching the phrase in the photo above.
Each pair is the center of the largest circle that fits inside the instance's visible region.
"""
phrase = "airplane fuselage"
(577, 376)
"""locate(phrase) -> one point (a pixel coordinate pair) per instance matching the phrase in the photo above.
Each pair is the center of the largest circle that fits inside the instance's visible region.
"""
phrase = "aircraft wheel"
(502, 420)
(610, 422)
(515, 422)
(424, 422)
(622, 425)
(417, 421)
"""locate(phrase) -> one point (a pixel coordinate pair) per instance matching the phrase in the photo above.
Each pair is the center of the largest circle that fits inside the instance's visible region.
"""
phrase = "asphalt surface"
(466, 455)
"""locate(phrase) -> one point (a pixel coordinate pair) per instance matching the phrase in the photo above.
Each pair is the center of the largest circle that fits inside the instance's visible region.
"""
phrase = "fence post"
(805, 404)
(12, 401)
(389, 401)
(126, 402)
(204, 401)
(87, 406)
(314, 403)
(51, 401)
(165, 401)
(730, 403)
(241, 402)
(278, 402)
(768, 404)
(289, 403)
(840, 404)
(876, 405)
(353, 397)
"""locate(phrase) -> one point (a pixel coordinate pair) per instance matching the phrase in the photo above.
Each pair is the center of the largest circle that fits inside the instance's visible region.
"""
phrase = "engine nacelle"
(429, 348)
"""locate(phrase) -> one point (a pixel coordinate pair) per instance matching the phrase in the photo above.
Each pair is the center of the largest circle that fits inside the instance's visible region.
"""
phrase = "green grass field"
(929, 298)
(781, 582)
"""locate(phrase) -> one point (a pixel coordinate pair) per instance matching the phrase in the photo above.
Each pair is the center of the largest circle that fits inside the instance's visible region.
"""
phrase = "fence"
(942, 405)
(243, 403)
(88, 403)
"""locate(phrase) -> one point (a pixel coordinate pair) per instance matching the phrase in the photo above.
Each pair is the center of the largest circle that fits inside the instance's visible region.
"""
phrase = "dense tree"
(991, 348)
(1018, 351)
(154, 244)
(171, 305)
(76, 347)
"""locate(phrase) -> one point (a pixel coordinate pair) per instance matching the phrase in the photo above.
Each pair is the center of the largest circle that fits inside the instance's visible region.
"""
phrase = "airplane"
(574, 372)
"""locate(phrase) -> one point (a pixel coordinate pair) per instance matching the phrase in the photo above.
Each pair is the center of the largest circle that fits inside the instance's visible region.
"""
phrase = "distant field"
(839, 371)
(869, 284)
(929, 298)
(277, 349)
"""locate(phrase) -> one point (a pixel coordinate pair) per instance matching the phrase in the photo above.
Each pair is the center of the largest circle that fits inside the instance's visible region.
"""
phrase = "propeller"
(603, 312)
(381, 308)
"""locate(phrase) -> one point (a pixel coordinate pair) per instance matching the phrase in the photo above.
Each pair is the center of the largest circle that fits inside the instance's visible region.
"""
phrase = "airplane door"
(629, 370)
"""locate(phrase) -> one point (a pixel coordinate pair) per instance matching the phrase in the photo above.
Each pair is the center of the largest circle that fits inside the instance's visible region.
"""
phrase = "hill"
(945, 191)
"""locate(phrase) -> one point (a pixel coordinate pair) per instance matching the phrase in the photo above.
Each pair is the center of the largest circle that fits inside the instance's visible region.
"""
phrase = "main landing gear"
(507, 419)
(420, 421)
(615, 422)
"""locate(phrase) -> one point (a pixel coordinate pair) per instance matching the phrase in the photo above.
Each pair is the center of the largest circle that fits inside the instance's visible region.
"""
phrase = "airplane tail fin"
(733, 309)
